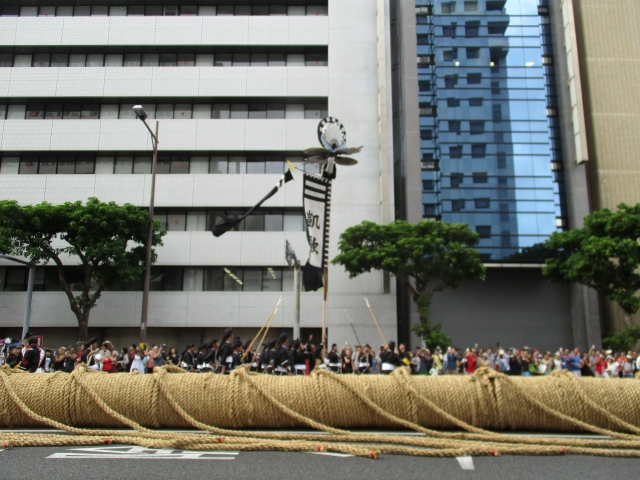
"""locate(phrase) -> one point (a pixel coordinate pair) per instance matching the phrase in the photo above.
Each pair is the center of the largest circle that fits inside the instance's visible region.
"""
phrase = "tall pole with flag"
(317, 205)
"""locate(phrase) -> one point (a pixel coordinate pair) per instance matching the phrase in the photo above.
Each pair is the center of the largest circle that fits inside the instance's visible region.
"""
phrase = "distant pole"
(147, 273)
(292, 260)
(27, 309)
(296, 309)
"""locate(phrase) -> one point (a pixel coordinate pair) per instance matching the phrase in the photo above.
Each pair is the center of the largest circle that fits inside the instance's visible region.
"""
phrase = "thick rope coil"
(219, 405)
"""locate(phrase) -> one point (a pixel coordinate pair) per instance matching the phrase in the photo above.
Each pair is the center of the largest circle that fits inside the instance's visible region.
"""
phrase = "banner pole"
(324, 306)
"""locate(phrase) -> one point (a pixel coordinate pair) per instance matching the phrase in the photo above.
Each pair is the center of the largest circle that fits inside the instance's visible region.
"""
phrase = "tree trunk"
(83, 326)
(423, 302)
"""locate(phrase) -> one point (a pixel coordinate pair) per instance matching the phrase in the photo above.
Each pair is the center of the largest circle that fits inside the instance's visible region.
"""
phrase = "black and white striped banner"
(317, 208)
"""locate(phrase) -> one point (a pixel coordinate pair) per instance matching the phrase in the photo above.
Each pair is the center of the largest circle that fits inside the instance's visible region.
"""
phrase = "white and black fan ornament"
(333, 138)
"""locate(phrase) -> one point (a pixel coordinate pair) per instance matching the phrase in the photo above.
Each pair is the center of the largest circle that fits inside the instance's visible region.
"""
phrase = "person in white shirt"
(612, 368)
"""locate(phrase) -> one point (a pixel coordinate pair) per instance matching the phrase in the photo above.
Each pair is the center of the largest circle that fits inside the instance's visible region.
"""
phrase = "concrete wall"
(513, 307)
(609, 41)
(351, 83)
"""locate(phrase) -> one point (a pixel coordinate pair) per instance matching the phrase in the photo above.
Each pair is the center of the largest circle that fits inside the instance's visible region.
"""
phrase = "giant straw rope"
(235, 411)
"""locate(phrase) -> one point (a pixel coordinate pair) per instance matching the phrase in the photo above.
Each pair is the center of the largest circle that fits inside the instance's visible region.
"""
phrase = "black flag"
(316, 194)
(222, 228)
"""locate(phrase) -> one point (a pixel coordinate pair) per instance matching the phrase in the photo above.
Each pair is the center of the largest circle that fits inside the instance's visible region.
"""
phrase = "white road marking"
(466, 463)
(137, 453)
(333, 454)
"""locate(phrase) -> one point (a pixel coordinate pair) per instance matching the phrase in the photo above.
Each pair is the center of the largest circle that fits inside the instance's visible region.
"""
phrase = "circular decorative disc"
(332, 134)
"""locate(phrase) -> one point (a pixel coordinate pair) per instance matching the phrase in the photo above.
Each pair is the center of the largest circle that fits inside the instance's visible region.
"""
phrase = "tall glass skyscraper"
(489, 129)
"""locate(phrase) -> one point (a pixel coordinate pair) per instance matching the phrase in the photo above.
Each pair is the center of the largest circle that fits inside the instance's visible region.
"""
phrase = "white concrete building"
(237, 89)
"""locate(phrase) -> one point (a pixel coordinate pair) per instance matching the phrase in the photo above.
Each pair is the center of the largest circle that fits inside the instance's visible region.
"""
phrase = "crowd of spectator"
(141, 358)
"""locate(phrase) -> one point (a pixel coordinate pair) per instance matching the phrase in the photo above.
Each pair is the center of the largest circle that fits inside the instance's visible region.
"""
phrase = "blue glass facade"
(490, 139)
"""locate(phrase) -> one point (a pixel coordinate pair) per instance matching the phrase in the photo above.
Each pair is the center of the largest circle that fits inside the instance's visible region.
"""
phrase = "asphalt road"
(80, 463)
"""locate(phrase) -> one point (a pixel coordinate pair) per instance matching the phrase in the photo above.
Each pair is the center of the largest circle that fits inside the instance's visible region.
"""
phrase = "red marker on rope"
(319, 448)
(219, 439)
(493, 452)
(107, 441)
(372, 455)
(563, 450)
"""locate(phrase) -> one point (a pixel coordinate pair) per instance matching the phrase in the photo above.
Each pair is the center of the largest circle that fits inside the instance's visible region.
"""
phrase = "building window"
(475, 102)
(424, 10)
(482, 202)
(457, 205)
(430, 164)
(496, 113)
(450, 81)
(495, 5)
(476, 127)
(159, 10)
(471, 29)
(502, 160)
(450, 55)
(478, 150)
(455, 126)
(497, 28)
(470, 6)
(426, 60)
(456, 180)
(455, 151)
(473, 53)
(453, 102)
(424, 85)
(424, 40)
(426, 134)
(474, 78)
(556, 166)
(561, 222)
(547, 60)
(449, 30)
(504, 212)
(428, 185)
(428, 110)
(480, 178)
(449, 7)
(484, 231)
(428, 210)
(505, 239)
(495, 88)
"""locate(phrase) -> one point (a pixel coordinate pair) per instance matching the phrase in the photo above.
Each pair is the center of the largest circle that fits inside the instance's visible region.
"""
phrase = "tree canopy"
(106, 240)
(603, 255)
(426, 257)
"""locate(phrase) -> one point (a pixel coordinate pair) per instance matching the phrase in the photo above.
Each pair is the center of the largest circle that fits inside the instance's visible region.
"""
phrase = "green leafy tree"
(106, 239)
(603, 255)
(623, 341)
(426, 257)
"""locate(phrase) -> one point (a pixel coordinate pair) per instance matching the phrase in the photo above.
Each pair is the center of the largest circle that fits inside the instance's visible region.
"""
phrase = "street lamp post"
(294, 263)
(142, 115)
(27, 309)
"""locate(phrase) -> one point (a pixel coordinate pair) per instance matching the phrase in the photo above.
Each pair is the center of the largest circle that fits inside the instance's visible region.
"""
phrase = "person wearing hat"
(236, 355)
(188, 359)
(33, 357)
(199, 358)
(627, 367)
(210, 356)
(390, 359)
(12, 358)
(225, 351)
(334, 359)
(264, 356)
(365, 360)
(282, 364)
